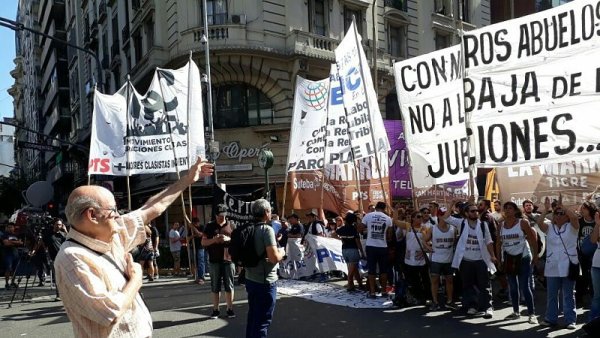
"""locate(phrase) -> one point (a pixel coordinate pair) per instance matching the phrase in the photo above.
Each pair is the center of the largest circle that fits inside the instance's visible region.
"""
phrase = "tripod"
(24, 267)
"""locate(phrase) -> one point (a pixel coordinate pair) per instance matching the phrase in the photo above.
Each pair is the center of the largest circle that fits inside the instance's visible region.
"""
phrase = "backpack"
(242, 248)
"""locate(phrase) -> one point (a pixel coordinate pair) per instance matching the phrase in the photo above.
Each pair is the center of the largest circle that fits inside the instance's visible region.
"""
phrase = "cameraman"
(10, 246)
(53, 241)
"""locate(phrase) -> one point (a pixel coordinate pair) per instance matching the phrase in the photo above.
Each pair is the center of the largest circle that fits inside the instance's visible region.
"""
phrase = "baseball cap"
(312, 212)
(221, 209)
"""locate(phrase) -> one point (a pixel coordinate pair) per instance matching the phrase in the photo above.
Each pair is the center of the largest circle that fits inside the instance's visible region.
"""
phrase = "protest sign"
(400, 183)
(430, 94)
(238, 211)
(341, 193)
(575, 180)
(321, 254)
(308, 130)
(363, 118)
(533, 86)
(153, 133)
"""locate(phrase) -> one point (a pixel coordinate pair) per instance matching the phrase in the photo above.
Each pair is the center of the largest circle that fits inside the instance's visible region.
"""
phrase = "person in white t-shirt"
(379, 228)
(175, 248)
(443, 238)
(561, 250)
(475, 258)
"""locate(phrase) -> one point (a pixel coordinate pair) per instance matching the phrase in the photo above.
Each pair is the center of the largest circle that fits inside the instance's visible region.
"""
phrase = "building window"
(465, 10)
(240, 105)
(149, 27)
(348, 13)
(443, 7)
(392, 108)
(137, 46)
(442, 41)
(397, 41)
(400, 5)
(216, 12)
(317, 17)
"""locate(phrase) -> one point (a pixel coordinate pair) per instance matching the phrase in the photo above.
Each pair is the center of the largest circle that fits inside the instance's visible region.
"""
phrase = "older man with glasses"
(97, 277)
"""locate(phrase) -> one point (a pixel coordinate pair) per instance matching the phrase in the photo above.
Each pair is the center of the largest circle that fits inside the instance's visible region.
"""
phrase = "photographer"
(53, 241)
(10, 245)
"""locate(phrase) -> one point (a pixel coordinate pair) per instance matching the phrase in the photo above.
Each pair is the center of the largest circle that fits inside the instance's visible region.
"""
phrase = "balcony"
(101, 11)
(51, 11)
(146, 7)
(312, 45)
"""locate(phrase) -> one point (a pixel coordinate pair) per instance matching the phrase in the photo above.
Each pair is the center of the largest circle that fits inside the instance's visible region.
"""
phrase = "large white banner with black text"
(430, 94)
(153, 133)
(533, 87)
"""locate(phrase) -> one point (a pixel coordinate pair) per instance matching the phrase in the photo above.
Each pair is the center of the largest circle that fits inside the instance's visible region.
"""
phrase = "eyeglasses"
(112, 210)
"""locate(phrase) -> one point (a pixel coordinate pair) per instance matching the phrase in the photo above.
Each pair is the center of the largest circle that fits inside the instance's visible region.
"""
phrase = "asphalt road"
(181, 309)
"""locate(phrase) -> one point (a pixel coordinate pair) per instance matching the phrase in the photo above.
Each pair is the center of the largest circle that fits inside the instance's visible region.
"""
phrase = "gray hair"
(259, 207)
(75, 208)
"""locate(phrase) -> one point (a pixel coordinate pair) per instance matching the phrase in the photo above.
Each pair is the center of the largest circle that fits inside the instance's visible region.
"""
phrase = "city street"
(181, 309)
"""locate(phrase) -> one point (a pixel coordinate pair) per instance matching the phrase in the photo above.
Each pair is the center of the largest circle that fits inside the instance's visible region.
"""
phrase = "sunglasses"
(473, 210)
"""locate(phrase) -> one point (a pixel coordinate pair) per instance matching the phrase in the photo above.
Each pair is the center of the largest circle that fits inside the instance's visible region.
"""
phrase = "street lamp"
(17, 26)
(212, 145)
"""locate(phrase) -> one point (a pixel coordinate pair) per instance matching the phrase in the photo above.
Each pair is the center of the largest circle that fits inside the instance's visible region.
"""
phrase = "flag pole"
(190, 156)
(360, 67)
(325, 142)
(127, 153)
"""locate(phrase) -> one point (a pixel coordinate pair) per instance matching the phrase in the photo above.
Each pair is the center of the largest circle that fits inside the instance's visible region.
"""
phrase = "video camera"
(40, 224)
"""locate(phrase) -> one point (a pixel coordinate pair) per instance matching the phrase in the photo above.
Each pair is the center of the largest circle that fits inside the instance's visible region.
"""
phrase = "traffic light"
(52, 209)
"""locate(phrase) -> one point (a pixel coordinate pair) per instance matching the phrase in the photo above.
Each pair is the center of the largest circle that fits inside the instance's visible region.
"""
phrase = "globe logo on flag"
(315, 95)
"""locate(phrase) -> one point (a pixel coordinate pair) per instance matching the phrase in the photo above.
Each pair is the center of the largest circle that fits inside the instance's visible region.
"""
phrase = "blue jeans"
(595, 308)
(522, 281)
(200, 264)
(261, 305)
(566, 286)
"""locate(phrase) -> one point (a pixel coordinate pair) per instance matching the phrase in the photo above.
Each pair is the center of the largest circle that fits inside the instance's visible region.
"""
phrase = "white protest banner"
(430, 94)
(321, 254)
(533, 87)
(307, 140)
(299, 262)
(360, 101)
(155, 133)
(328, 252)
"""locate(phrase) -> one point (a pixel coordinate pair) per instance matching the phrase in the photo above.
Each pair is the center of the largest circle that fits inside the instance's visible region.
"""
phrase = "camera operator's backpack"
(242, 248)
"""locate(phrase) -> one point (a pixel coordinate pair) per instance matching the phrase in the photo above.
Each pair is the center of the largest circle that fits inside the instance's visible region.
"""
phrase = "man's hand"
(133, 271)
(200, 169)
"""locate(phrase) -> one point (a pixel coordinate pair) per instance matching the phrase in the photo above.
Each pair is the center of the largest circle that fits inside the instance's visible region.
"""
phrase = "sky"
(7, 54)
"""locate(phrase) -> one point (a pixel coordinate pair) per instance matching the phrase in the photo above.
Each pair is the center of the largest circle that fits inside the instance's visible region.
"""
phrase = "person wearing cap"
(314, 226)
(217, 235)
(379, 228)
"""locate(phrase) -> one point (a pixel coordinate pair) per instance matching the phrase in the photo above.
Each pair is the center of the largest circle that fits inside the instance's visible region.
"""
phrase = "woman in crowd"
(443, 238)
(515, 243)
(146, 255)
(561, 252)
(595, 238)
(415, 260)
(352, 250)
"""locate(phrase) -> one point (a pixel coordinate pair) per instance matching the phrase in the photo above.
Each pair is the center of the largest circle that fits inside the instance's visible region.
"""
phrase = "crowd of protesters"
(452, 258)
